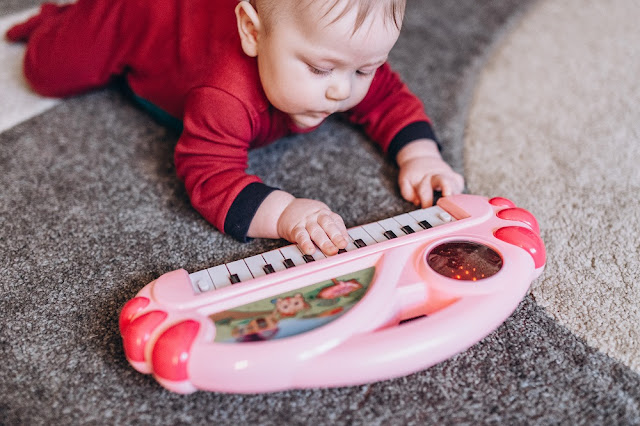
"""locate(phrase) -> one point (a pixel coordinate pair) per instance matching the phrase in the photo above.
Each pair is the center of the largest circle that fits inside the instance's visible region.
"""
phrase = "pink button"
(525, 239)
(171, 351)
(130, 309)
(520, 215)
(501, 202)
(137, 334)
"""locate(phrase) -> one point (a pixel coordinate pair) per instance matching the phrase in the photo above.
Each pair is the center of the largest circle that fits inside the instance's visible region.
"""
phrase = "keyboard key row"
(290, 256)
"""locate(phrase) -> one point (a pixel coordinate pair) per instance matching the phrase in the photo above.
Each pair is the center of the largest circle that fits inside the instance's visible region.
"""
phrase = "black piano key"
(390, 235)
(341, 251)
(288, 263)
(234, 278)
(268, 269)
(407, 229)
(359, 243)
(308, 258)
(411, 319)
(436, 196)
(424, 224)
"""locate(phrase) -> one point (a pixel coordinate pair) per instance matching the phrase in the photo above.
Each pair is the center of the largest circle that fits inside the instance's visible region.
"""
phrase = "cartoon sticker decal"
(294, 312)
(339, 288)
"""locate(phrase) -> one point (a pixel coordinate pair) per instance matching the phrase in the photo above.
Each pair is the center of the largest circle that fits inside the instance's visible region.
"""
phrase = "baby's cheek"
(360, 91)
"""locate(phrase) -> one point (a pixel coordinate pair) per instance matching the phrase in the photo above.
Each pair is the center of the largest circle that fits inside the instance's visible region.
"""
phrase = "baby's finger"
(332, 229)
(303, 239)
(449, 184)
(425, 192)
(459, 186)
(407, 191)
(321, 239)
(445, 185)
(340, 222)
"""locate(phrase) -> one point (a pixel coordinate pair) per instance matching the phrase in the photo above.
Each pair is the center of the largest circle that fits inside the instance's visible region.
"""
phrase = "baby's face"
(311, 68)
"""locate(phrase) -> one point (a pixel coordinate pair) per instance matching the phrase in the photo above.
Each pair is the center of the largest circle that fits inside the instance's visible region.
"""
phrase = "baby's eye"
(365, 73)
(318, 71)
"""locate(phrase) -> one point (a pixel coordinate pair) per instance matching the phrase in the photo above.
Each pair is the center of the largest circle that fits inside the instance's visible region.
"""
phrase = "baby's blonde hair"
(393, 12)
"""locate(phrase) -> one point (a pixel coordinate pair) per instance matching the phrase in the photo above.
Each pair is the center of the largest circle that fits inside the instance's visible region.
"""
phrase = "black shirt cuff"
(412, 132)
(244, 208)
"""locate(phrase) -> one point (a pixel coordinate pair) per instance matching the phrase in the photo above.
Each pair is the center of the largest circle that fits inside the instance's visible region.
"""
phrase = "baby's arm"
(422, 170)
(394, 117)
(301, 221)
(211, 158)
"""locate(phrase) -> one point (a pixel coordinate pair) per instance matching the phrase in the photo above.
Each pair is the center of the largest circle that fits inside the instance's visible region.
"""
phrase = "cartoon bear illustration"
(290, 306)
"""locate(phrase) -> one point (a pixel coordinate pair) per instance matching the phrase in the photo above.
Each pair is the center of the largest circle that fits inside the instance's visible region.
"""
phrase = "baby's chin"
(306, 121)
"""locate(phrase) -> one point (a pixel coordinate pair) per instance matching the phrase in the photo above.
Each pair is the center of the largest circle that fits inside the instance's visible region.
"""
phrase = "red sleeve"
(391, 114)
(211, 158)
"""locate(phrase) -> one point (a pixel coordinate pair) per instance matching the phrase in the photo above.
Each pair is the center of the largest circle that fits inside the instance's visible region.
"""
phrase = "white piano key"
(220, 276)
(423, 214)
(405, 219)
(350, 245)
(240, 269)
(358, 233)
(434, 215)
(255, 265)
(437, 216)
(444, 216)
(318, 254)
(292, 252)
(376, 231)
(275, 259)
(390, 224)
(201, 281)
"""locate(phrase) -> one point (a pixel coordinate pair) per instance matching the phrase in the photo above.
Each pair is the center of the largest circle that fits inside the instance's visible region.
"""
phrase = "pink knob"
(520, 215)
(525, 239)
(501, 202)
(130, 309)
(172, 350)
(137, 333)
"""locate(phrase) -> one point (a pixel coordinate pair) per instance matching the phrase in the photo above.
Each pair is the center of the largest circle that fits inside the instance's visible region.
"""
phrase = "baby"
(240, 75)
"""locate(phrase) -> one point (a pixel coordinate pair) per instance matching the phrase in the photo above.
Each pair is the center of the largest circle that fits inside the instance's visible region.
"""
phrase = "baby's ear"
(248, 27)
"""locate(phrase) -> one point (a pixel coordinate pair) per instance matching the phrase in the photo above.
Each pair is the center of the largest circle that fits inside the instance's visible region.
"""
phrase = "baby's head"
(316, 57)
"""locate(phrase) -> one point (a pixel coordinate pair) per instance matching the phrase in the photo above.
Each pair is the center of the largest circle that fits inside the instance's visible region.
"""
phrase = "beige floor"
(18, 103)
(555, 126)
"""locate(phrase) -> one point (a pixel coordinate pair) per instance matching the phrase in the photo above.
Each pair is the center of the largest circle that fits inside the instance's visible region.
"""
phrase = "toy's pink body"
(170, 330)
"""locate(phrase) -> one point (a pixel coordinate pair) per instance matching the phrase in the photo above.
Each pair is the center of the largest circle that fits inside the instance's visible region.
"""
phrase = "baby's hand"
(306, 222)
(422, 170)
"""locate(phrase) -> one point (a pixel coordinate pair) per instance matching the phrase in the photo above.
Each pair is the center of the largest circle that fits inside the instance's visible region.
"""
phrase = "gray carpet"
(91, 211)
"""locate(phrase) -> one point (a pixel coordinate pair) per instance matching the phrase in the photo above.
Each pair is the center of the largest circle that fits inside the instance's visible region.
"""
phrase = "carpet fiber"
(91, 211)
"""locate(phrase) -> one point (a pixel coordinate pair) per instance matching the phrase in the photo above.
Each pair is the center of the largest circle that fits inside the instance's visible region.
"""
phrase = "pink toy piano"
(408, 292)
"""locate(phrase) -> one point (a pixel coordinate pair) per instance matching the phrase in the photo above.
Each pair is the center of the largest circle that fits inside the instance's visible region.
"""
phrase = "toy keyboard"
(408, 292)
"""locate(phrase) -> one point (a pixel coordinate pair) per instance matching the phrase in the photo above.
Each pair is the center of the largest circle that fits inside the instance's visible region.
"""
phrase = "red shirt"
(185, 58)
(221, 125)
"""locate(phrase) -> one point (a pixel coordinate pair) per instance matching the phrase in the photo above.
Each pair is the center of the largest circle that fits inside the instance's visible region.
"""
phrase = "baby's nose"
(339, 89)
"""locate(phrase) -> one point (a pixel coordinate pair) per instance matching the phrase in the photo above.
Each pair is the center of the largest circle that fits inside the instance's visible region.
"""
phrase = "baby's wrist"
(265, 222)
(418, 148)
